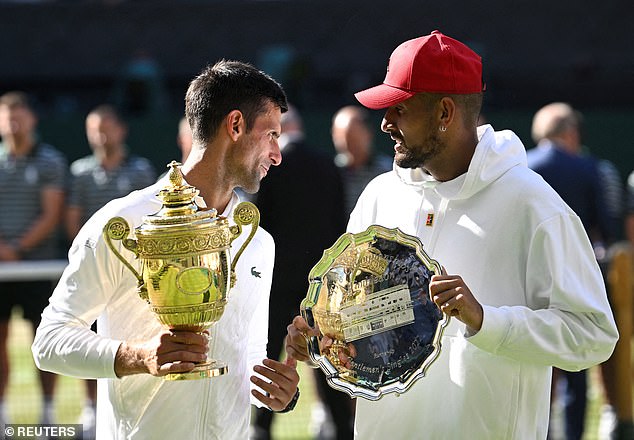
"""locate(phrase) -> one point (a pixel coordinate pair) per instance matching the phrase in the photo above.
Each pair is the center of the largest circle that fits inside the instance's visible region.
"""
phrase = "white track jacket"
(527, 259)
(97, 285)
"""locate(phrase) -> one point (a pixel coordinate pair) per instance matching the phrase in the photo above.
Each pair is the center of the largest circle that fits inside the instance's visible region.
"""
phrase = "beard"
(251, 189)
(245, 174)
(250, 183)
(415, 156)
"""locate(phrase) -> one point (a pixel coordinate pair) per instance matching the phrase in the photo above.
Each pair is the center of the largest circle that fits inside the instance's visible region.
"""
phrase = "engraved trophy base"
(204, 370)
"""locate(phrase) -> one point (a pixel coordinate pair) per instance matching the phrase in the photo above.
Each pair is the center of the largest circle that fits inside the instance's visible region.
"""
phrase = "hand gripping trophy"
(186, 267)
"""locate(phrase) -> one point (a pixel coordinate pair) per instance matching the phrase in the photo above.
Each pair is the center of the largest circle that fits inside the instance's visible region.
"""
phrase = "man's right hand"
(169, 352)
(296, 343)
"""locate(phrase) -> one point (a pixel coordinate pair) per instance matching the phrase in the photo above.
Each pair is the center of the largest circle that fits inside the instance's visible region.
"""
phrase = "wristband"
(291, 405)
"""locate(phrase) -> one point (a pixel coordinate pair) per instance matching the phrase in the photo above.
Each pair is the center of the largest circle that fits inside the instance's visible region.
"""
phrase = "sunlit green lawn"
(24, 404)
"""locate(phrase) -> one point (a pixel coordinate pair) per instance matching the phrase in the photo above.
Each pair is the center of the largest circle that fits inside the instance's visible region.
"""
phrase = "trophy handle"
(118, 229)
(246, 213)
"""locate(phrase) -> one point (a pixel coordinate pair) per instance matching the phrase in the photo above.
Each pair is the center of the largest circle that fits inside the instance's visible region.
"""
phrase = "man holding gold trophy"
(176, 291)
(519, 282)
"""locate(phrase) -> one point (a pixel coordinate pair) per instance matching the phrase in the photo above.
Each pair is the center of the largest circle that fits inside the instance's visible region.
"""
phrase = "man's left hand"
(281, 385)
(454, 298)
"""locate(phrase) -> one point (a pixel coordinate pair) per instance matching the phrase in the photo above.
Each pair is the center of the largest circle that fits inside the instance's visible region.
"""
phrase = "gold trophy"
(187, 269)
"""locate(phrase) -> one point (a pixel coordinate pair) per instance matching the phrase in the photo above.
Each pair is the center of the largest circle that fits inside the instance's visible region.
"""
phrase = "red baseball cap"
(434, 63)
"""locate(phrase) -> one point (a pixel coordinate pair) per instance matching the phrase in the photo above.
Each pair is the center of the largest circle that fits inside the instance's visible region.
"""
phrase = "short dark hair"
(17, 98)
(471, 104)
(107, 111)
(227, 86)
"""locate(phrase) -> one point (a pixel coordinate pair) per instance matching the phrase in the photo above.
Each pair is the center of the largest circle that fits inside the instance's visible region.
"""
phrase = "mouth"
(265, 170)
(398, 146)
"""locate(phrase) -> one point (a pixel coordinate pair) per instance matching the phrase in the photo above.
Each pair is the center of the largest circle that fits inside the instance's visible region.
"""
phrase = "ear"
(447, 110)
(235, 124)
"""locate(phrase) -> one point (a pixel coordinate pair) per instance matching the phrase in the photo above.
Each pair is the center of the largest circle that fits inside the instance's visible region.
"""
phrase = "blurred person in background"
(32, 177)
(184, 138)
(110, 172)
(183, 141)
(557, 130)
(616, 420)
(301, 203)
(615, 423)
(575, 175)
(359, 163)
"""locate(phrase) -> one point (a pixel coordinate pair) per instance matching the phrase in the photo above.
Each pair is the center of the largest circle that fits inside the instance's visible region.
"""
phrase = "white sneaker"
(48, 415)
(321, 426)
(608, 422)
(4, 420)
(88, 420)
(556, 422)
(47, 418)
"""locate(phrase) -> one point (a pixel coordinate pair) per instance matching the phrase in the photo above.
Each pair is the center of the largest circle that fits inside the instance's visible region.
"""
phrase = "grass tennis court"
(24, 404)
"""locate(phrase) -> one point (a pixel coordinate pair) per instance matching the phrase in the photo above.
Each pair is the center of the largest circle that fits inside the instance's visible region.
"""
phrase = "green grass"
(24, 395)
(24, 402)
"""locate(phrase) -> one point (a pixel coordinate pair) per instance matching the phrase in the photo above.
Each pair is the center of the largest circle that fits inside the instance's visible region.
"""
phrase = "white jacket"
(97, 285)
(526, 258)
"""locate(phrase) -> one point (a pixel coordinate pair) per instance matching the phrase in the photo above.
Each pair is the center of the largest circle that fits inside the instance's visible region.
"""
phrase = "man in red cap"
(520, 278)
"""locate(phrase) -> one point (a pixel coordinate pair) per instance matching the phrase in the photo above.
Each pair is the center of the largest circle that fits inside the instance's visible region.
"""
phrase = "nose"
(276, 154)
(384, 124)
(388, 120)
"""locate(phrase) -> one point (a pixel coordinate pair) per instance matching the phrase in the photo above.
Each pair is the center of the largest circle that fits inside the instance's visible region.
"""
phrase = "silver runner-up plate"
(379, 328)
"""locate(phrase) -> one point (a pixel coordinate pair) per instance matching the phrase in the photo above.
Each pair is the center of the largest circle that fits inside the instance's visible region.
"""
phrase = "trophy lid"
(179, 211)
